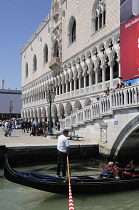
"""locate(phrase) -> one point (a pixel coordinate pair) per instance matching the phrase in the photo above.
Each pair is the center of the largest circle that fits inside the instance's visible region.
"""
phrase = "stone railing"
(124, 98)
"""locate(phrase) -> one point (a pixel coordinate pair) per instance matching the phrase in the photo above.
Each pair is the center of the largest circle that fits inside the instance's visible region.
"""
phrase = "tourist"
(107, 171)
(6, 128)
(117, 171)
(58, 125)
(108, 91)
(62, 152)
(105, 93)
(9, 127)
(130, 166)
(32, 129)
(117, 87)
(122, 84)
(3, 125)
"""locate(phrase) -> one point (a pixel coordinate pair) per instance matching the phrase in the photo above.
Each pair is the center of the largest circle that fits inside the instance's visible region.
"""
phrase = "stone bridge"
(112, 122)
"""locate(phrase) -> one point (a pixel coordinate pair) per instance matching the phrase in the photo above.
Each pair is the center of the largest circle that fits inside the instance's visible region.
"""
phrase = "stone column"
(79, 84)
(90, 80)
(75, 85)
(119, 68)
(62, 87)
(56, 89)
(59, 88)
(103, 76)
(39, 119)
(43, 119)
(84, 82)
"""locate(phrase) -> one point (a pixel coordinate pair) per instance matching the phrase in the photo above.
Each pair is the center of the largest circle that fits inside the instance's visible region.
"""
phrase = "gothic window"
(68, 86)
(77, 84)
(99, 15)
(99, 75)
(61, 89)
(93, 78)
(115, 70)
(26, 70)
(87, 80)
(72, 85)
(56, 49)
(45, 54)
(64, 87)
(73, 33)
(58, 90)
(107, 73)
(34, 63)
(82, 82)
(72, 30)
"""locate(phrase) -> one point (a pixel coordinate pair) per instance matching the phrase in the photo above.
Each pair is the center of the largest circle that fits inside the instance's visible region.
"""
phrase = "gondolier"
(62, 152)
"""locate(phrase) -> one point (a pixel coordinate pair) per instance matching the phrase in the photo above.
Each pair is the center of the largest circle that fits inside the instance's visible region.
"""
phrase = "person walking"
(9, 126)
(62, 152)
(32, 129)
(3, 125)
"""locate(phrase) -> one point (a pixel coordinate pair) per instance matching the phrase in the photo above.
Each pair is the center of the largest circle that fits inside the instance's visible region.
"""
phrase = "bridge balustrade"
(125, 97)
(119, 99)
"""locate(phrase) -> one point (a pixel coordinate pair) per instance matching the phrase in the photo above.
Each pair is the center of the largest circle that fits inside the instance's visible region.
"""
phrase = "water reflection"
(14, 196)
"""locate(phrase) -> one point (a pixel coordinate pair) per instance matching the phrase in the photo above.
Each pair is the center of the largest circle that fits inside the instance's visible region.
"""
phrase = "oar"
(71, 205)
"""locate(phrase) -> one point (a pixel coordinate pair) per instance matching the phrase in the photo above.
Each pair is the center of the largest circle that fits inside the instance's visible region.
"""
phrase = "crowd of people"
(106, 92)
(36, 129)
(33, 128)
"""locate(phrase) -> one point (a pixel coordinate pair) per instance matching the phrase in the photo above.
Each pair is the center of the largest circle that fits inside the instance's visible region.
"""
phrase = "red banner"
(129, 49)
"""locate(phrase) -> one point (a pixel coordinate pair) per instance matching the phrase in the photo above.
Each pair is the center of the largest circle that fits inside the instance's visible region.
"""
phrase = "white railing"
(127, 97)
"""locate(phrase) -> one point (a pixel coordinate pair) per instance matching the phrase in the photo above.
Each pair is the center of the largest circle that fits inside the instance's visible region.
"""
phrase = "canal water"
(18, 197)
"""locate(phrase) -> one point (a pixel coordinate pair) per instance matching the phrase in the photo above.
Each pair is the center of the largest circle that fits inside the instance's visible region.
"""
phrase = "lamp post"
(10, 108)
(50, 96)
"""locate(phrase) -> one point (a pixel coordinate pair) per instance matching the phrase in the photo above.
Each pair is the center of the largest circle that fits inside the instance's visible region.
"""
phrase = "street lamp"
(10, 108)
(50, 95)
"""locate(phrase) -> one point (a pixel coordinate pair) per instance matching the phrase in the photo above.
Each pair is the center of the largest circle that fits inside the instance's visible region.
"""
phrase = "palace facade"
(77, 50)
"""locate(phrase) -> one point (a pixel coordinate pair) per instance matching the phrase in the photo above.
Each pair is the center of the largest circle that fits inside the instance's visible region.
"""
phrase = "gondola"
(59, 185)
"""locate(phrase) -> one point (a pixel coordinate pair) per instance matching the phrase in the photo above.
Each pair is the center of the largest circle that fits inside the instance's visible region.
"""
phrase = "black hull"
(79, 186)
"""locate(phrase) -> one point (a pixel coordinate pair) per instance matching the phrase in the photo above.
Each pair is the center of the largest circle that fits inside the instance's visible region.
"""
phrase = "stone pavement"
(21, 139)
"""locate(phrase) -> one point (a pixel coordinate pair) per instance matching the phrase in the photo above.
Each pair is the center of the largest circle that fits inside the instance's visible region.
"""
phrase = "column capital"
(112, 63)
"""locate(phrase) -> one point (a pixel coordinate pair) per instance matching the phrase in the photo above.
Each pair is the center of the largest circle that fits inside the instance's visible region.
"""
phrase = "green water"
(17, 197)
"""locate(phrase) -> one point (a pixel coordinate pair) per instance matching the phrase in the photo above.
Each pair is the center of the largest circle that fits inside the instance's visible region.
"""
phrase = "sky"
(19, 19)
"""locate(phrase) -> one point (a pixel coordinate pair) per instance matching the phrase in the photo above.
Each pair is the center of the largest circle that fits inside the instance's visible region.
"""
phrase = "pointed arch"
(45, 54)
(61, 111)
(72, 30)
(87, 102)
(77, 105)
(68, 108)
(26, 70)
(34, 63)
(56, 49)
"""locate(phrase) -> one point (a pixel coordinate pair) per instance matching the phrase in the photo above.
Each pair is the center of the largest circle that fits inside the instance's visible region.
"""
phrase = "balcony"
(54, 63)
